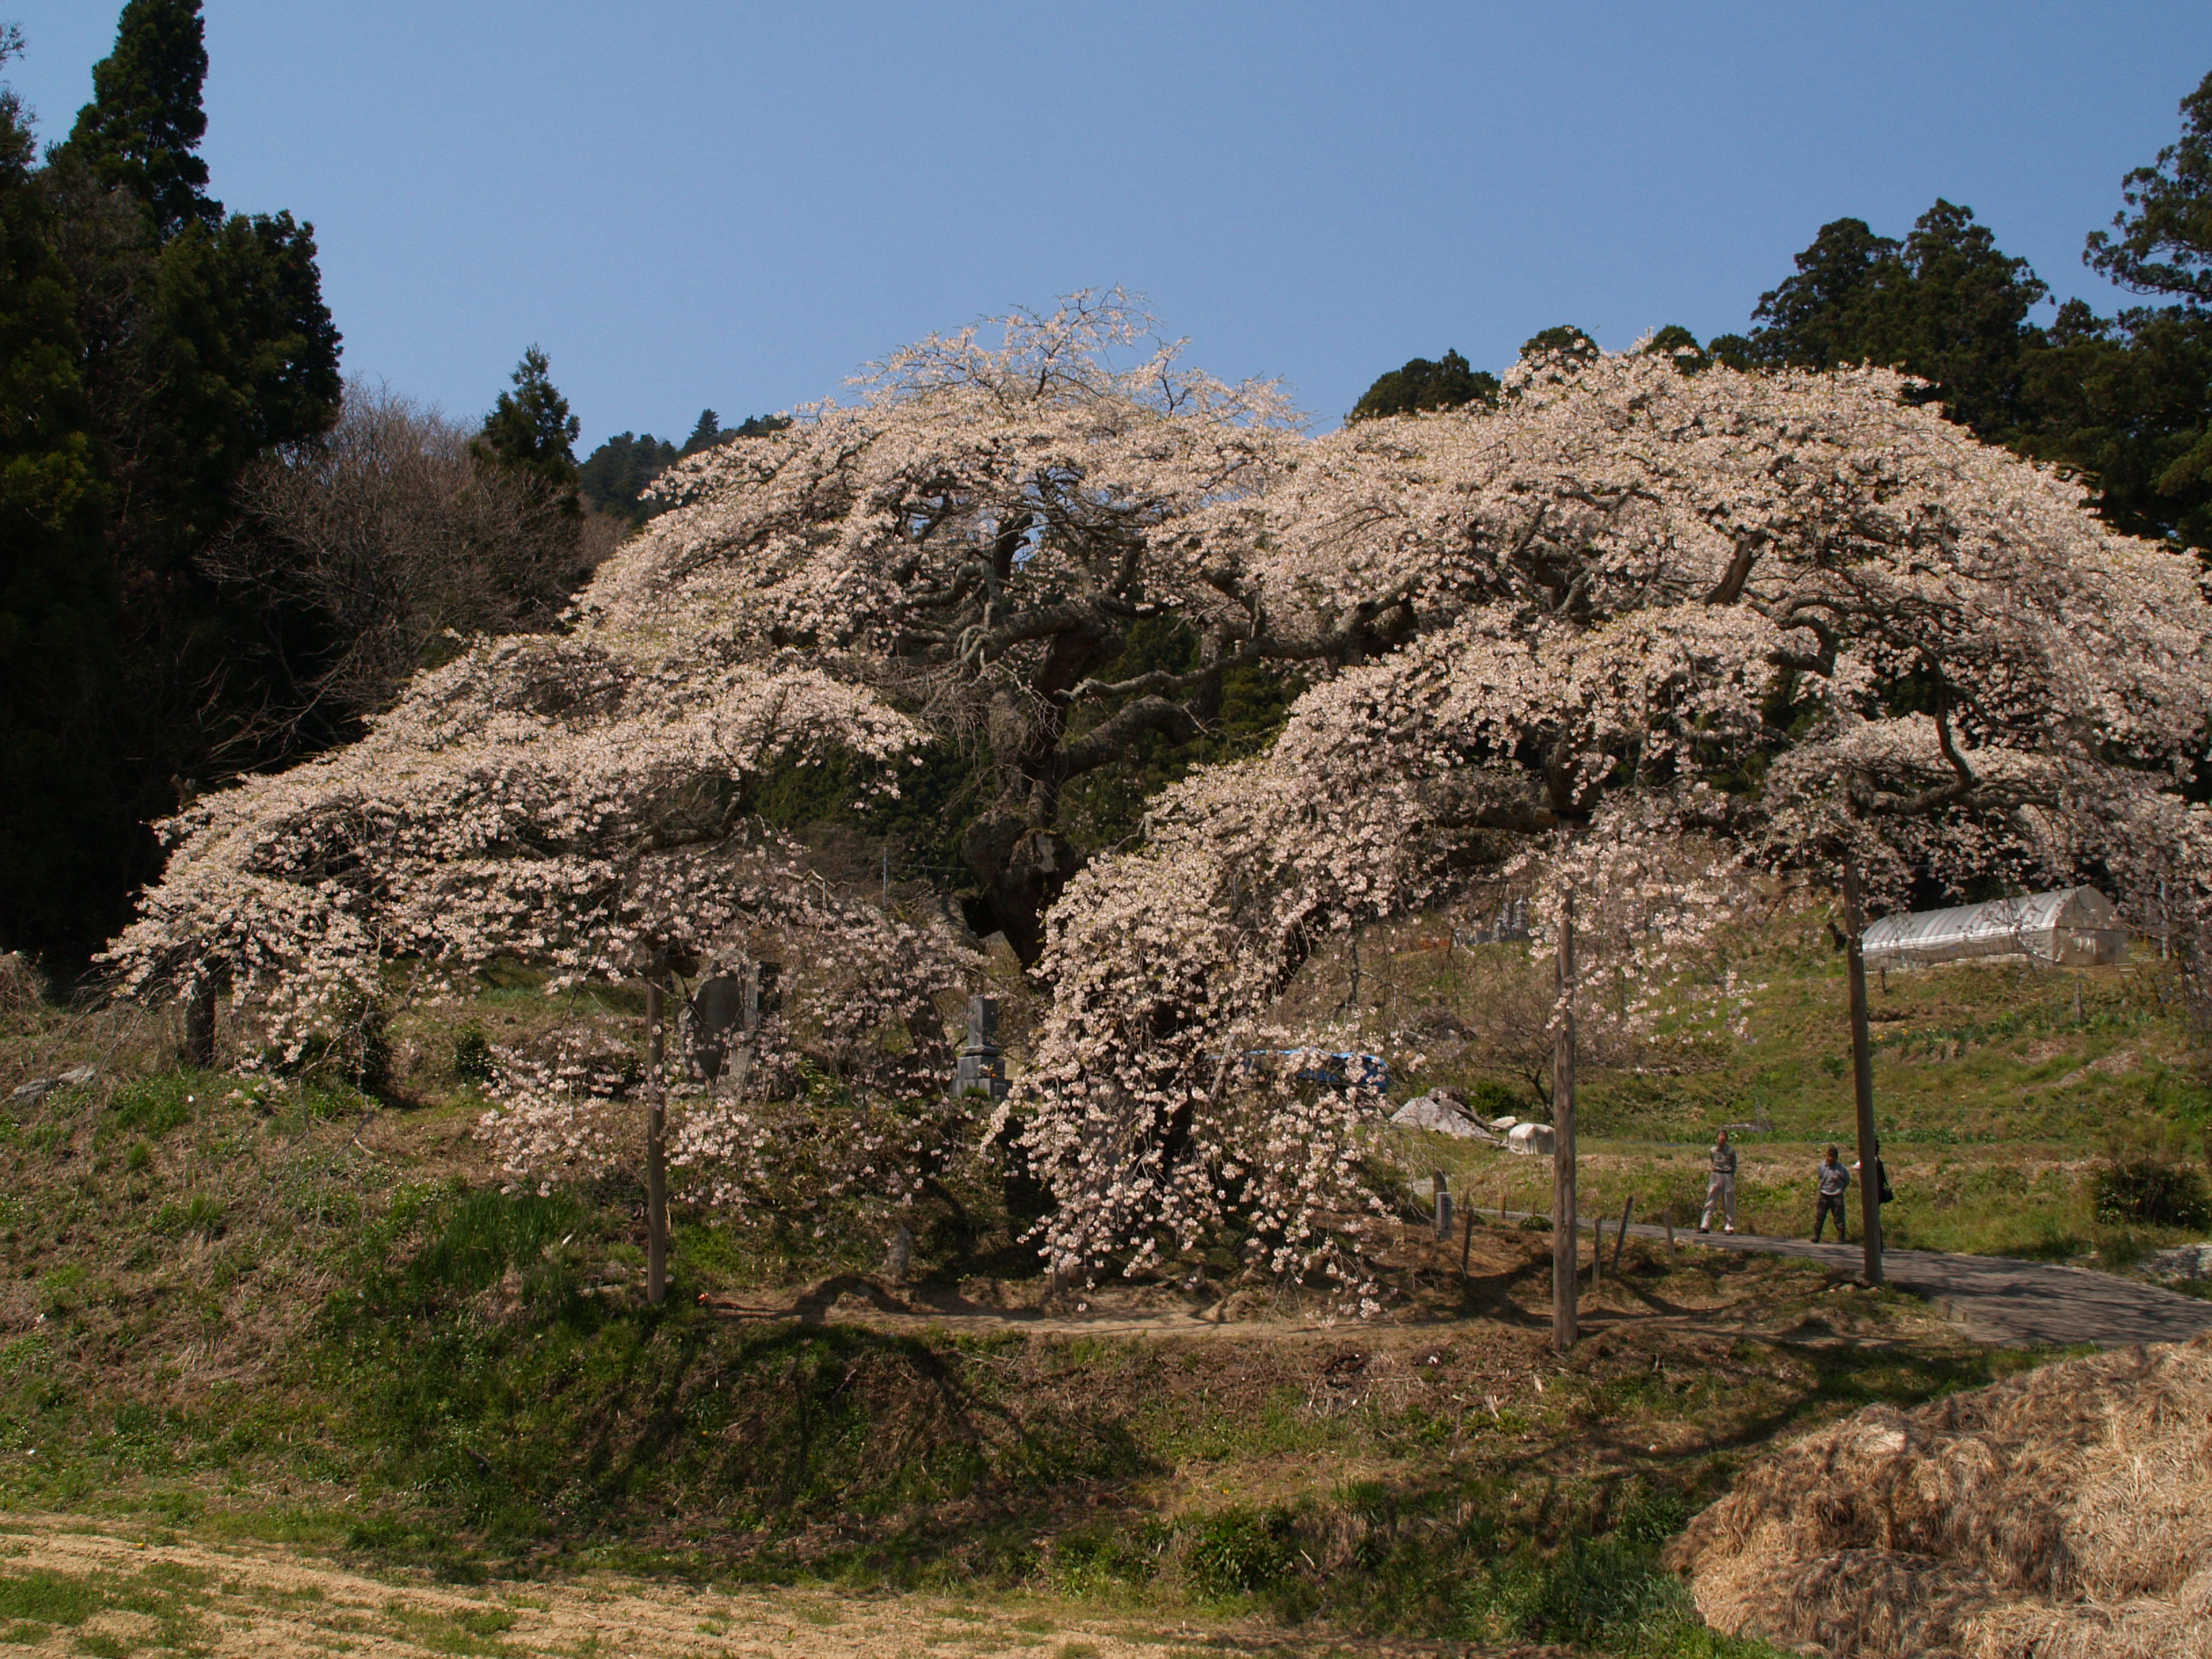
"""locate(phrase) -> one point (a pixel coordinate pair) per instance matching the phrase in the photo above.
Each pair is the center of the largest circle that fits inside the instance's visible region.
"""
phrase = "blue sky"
(691, 203)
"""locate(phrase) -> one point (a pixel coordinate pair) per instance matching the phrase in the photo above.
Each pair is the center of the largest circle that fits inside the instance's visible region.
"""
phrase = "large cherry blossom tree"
(976, 537)
(1786, 619)
(1636, 630)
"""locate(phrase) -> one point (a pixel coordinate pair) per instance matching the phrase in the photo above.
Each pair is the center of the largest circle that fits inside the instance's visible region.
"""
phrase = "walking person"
(1882, 1193)
(1834, 1181)
(1720, 1187)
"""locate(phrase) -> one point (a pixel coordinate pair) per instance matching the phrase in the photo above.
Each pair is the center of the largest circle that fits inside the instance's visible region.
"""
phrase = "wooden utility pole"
(1862, 1073)
(1565, 1244)
(656, 1136)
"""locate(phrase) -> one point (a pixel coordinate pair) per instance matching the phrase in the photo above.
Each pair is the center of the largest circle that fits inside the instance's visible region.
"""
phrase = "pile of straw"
(2067, 1512)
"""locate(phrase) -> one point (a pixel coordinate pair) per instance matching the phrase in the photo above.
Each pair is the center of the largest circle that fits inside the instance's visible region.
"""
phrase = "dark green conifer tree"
(63, 834)
(1676, 342)
(197, 343)
(142, 131)
(1947, 304)
(2128, 400)
(614, 477)
(706, 433)
(2165, 243)
(1567, 339)
(531, 430)
(1421, 384)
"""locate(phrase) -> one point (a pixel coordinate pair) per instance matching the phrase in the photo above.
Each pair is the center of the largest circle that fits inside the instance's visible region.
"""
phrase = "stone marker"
(725, 1009)
(716, 1008)
(1439, 1111)
(981, 1069)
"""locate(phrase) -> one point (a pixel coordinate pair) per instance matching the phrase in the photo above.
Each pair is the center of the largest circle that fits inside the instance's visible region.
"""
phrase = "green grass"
(456, 1402)
(258, 1326)
(50, 1598)
(36, 1600)
(2001, 1090)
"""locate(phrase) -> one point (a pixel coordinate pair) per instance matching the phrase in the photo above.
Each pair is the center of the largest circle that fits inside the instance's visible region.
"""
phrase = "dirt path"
(1994, 1298)
(861, 1297)
(68, 1585)
(2019, 1303)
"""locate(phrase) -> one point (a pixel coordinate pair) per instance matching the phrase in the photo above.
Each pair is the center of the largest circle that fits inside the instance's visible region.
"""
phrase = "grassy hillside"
(2001, 1091)
(283, 1309)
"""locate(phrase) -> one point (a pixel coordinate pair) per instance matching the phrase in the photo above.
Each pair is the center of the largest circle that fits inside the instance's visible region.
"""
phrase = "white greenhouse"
(2074, 928)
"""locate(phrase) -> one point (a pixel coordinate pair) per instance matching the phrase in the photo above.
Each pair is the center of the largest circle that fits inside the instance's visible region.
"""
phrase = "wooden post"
(656, 1137)
(1670, 1226)
(1565, 1244)
(1862, 1073)
(1467, 1240)
(1440, 1187)
(1626, 1210)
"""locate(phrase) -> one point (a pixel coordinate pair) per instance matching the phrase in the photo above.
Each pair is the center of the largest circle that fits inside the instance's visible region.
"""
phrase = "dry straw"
(21, 988)
(2065, 1512)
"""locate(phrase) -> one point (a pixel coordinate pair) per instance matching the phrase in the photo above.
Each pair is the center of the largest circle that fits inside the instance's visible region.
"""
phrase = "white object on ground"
(1532, 1139)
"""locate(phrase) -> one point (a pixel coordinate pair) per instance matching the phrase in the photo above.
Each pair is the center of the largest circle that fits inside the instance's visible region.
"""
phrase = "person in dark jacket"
(1833, 1181)
(1720, 1187)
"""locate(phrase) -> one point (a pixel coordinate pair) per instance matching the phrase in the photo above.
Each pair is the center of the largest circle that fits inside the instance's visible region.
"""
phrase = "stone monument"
(983, 1064)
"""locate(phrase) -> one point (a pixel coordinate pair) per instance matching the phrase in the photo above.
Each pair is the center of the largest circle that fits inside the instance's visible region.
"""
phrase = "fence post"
(1862, 1073)
(1621, 1238)
(656, 1135)
(1566, 1245)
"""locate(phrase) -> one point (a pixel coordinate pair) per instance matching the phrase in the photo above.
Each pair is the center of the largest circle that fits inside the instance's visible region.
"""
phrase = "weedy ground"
(2001, 1089)
(272, 1314)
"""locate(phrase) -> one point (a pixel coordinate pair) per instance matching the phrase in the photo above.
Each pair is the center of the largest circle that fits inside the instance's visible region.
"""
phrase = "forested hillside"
(2124, 399)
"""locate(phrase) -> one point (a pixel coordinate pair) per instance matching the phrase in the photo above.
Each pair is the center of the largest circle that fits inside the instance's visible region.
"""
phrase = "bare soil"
(118, 1591)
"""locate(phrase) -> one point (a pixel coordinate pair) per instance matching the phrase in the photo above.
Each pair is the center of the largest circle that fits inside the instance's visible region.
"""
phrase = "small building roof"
(2030, 913)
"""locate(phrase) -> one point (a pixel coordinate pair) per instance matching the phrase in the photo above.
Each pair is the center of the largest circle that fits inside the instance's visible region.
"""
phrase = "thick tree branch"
(1110, 740)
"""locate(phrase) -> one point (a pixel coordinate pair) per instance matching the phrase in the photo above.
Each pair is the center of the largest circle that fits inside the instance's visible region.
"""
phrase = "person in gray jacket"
(1720, 1187)
(1834, 1181)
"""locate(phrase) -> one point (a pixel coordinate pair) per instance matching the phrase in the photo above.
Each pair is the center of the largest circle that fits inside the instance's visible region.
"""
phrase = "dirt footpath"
(2017, 1303)
(74, 1586)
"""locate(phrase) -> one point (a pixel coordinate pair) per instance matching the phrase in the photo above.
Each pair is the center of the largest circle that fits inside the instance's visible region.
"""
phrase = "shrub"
(472, 1061)
(1487, 1098)
(2153, 1191)
(1239, 1551)
(20, 984)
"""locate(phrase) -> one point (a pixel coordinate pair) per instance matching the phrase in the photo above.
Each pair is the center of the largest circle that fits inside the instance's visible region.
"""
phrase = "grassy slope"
(1999, 1091)
(299, 1313)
